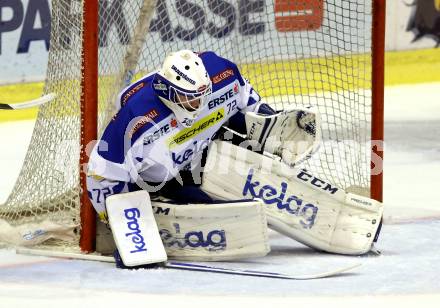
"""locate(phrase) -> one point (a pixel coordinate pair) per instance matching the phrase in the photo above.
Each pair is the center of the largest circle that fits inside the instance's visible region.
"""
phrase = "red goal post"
(378, 84)
(89, 118)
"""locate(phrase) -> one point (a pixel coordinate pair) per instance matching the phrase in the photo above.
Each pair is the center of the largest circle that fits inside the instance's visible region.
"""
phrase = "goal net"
(297, 52)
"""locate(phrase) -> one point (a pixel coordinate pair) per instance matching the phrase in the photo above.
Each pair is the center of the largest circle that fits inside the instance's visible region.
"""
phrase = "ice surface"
(406, 274)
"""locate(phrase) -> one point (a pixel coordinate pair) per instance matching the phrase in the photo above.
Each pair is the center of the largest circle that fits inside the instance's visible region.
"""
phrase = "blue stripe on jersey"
(215, 65)
(223, 72)
(133, 90)
(140, 113)
(254, 97)
(251, 101)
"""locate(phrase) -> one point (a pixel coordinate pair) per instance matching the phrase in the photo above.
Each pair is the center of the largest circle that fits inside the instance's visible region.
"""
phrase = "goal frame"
(378, 85)
(89, 117)
(89, 103)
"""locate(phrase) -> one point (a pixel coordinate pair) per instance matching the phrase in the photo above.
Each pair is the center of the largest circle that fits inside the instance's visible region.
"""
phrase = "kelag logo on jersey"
(213, 241)
(271, 196)
(187, 154)
(197, 128)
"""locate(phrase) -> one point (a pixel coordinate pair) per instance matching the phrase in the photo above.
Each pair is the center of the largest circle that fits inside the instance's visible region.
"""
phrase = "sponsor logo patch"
(222, 76)
(131, 92)
(183, 75)
(198, 127)
(165, 129)
(307, 177)
(148, 117)
(160, 86)
(221, 99)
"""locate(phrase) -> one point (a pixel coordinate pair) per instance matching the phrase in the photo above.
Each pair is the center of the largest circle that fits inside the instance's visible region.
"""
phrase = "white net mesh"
(293, 52)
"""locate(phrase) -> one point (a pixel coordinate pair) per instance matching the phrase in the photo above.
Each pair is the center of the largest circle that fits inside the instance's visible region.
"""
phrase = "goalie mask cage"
(327, 53)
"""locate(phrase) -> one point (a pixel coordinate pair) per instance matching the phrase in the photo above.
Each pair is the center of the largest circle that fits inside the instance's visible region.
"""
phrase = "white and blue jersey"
(144, 142)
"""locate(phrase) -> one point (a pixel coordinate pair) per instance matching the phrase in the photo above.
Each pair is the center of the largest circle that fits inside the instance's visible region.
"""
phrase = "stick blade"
(29, 104)
(214, 269)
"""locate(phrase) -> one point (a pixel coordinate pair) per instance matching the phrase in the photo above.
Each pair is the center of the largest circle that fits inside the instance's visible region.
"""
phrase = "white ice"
(407, 274)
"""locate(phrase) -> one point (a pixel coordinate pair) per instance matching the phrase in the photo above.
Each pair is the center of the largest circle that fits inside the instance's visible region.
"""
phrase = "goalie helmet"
(183, 85)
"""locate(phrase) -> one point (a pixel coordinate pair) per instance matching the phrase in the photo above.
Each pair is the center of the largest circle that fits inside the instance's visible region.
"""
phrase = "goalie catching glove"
(292, 134)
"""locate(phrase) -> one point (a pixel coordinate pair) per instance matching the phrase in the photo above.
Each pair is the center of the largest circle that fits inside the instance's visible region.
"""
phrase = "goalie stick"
(193, 266)
(215, 269)
(137, 41)
(29, 104)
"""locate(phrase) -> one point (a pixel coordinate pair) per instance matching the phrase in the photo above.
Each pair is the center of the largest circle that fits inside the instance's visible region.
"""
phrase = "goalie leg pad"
(212, 232)
(296, 203)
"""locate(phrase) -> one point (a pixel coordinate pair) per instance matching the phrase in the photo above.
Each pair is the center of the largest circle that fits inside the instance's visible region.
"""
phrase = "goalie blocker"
(148, 232)
(297, 203)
